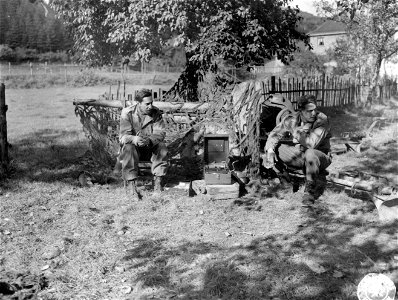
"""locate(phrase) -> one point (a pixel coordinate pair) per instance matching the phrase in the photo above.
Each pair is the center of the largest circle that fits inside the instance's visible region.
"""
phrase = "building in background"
(326, 35)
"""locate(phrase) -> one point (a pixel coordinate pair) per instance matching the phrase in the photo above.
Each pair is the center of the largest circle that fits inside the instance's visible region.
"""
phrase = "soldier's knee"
(128, 146)
(162, 148)
(309, 153)
(310, 158)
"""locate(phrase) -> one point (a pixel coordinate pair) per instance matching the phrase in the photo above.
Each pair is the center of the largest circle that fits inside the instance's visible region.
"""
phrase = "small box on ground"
(216, 149)
(223, 191)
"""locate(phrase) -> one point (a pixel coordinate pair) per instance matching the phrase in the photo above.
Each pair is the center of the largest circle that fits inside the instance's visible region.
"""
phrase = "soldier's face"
(309, 112)
(146, 105)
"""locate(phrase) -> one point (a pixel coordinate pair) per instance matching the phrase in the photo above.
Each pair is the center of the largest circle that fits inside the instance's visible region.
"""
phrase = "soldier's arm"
(159, 130)
(126, 131)
(311, 139)
(278, 133)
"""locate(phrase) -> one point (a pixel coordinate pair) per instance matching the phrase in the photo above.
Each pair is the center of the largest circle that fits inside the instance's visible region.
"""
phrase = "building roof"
(329, 27)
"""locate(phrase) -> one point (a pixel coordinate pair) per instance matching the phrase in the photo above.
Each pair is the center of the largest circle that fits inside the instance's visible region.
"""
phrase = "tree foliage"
(372, 32)
(237, 31)
(28, 25)
(306, 64)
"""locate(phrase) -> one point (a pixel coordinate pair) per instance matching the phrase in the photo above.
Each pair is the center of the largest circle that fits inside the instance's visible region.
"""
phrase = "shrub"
(25, 54)
(59, 56)
(6, 53)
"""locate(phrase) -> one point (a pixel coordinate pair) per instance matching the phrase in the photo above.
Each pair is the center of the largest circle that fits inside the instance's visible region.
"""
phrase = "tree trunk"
(198, 82)
(374, 80)
(186, 87)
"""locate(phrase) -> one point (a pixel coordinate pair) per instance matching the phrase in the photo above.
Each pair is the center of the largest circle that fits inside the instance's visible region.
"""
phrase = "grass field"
(22, 77)
(96, 243)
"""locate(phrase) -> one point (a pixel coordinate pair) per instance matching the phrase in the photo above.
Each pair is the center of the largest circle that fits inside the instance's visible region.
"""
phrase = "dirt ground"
(65, 241)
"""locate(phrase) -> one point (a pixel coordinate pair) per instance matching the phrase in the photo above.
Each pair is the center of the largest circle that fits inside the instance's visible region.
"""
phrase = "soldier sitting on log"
(142, 133)
(302, 141)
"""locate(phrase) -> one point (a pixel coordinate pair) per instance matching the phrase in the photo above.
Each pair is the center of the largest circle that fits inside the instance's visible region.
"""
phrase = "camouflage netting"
(101, 125)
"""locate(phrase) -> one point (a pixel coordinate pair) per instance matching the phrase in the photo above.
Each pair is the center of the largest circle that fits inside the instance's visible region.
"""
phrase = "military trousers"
(313, 162)
(130, 155)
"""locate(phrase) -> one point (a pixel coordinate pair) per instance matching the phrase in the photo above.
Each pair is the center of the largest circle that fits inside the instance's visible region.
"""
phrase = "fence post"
(9, 68)
(323, 89)
(66, 76)
(359, 92)
(280, 89)
(348, 100)
(118, 90)
(31, 69)
(3, 130)
(273, 86)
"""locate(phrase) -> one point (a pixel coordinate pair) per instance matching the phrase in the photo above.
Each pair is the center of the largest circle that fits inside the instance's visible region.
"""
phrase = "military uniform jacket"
(133, 123)
(314, 135)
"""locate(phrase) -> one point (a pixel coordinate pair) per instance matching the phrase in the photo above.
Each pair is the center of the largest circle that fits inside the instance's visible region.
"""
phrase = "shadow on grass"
(49, 156)
(381, 159)
(350, 119)
(325, 259)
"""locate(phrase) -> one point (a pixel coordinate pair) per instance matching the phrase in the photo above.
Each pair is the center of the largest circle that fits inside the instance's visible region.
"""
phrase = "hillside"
(309, 22)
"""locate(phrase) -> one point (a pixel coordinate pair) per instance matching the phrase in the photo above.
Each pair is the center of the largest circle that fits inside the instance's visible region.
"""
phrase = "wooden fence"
(328, 90)
(3, 132)
(128, 96)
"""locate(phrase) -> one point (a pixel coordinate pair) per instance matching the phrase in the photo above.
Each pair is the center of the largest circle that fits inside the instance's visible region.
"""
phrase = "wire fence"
(40, 69)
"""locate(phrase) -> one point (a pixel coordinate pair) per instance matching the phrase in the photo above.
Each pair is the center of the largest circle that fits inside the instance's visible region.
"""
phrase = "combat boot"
(158, 184)
(131, 188)
(309, 196)
(321, 183)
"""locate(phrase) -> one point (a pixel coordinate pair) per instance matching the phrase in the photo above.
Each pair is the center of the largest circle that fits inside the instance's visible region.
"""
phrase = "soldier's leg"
(316, 163)
(291, 155)
(159, 164)
(128, 158)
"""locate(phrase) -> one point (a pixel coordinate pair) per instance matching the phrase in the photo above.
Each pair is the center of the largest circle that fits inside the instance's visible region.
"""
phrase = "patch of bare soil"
(96, 242)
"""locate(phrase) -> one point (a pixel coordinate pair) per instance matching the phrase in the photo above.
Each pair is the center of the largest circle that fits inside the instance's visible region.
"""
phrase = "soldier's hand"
(269, 160)
(126, 139)
(141, 142)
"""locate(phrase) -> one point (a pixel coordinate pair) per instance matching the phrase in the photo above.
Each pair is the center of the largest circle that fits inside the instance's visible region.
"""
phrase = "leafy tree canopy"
(25, 24)
(307, 64)
(372, 31)
(236, 31)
